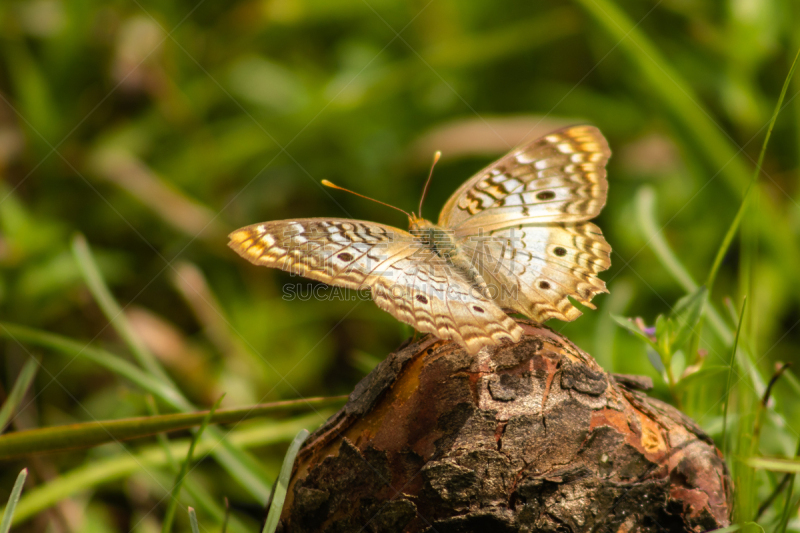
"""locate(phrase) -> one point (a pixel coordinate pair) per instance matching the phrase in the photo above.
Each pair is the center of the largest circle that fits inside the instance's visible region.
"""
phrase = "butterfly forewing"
(560, 177)
(405, 278)
(336, 251)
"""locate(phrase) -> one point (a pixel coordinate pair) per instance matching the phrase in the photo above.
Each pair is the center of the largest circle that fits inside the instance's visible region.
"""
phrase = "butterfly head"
(416, 223)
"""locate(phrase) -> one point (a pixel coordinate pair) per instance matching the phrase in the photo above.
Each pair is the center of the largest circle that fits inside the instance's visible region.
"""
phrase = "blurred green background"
(155, 128)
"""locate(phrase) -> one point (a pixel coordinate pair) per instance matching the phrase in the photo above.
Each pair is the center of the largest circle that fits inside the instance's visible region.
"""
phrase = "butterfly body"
(442, 244)
(515, 237)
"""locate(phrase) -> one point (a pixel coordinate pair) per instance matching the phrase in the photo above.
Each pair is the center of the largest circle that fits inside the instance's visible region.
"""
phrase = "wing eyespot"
(545, 195)
(346, 257)
(421, 299)
(560, 251)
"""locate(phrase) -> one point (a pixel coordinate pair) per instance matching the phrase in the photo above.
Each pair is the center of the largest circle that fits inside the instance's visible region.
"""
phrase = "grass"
(134, 136)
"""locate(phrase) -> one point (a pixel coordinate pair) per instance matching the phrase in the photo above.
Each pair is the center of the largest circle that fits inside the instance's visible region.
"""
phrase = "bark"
(528, 437)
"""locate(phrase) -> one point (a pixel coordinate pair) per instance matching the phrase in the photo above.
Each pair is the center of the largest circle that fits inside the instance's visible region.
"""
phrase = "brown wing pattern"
(560, 177)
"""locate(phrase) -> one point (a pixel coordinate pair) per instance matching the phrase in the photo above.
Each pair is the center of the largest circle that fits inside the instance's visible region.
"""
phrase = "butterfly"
(514, 238)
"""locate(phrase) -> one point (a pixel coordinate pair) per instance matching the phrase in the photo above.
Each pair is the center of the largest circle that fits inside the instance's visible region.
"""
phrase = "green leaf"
(279, 493)
(631, 326)
(655, 359)
(705, 374)
(685, 317)
(677, 365)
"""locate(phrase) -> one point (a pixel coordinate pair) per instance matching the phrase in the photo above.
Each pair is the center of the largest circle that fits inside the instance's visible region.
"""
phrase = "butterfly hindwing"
(434, 298)
(534, 270)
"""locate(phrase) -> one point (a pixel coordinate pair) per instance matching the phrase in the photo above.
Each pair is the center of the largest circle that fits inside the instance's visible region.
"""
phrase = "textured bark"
(533, 436)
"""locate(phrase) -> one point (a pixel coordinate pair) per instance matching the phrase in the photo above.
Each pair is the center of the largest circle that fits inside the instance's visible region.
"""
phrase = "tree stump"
(525, 437)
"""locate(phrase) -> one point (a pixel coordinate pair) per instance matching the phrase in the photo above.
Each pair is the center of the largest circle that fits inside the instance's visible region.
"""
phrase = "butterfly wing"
(434, 298)
(560, 177)
(522, 220)
(534, 270)
(404, 276)
(335, 251)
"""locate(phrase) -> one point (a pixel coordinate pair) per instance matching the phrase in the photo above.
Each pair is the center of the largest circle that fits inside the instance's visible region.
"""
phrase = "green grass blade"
(89, 434)
(125, 463)
(18, 391)
(227, 515)
(172, 506)
(102, 358)
(709, 140)
(112, 310)
(646, 215)
(193, 521)
(727, 394)
(279, 494)
(8, 512)
(242, 467)
(791, 466)
(161, 437)
(645, 208)
(202, 501)
(675, 93)
(733, 228)
(736, 527)
(788, 506)
(793, 382)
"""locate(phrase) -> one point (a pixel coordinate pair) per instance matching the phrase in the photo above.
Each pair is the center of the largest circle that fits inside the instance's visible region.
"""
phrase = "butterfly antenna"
(334, 186)
(436, 157)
